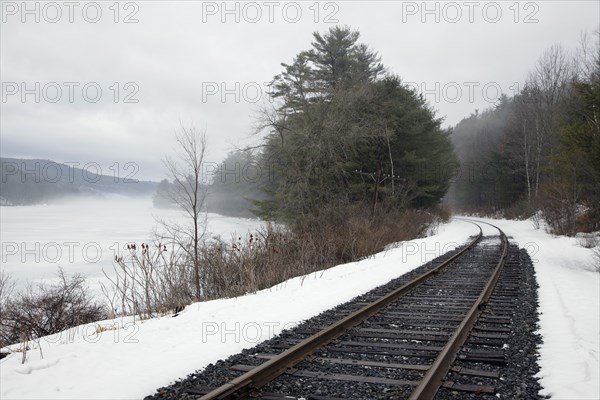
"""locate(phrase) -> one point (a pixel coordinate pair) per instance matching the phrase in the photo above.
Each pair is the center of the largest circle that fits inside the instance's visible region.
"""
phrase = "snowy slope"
(569, 297)
(133, 361)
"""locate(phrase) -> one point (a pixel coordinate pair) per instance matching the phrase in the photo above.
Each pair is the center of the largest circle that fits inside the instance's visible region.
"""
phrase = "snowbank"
(569, 309)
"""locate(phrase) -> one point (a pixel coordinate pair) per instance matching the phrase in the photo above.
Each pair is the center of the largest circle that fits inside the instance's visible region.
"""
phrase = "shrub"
(150, 280)
(275, 253)
(7, 286)
(147, 282)
(48, 308)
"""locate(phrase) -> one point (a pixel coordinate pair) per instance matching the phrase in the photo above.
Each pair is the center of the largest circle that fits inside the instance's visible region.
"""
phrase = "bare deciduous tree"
(188, 193)
(549, 82)
(587, 57)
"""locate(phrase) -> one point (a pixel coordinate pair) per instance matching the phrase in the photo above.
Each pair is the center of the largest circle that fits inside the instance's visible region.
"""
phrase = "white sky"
(179, 56)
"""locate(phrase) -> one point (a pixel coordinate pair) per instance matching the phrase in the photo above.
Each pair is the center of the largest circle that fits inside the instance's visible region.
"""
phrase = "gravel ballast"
(516, 376)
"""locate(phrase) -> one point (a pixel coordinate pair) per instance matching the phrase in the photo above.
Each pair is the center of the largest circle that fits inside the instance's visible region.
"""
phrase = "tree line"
(538, 151)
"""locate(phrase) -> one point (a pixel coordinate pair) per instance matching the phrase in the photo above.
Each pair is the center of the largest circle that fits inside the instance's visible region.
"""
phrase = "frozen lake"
(84, 235)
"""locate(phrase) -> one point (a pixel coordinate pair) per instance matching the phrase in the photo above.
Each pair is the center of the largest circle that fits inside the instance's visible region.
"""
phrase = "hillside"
(36, 181)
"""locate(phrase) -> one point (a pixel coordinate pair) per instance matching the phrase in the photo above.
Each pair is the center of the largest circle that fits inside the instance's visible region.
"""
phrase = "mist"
(83, 235)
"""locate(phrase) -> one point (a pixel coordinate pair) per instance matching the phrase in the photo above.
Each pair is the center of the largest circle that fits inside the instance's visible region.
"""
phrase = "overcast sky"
(157, 63)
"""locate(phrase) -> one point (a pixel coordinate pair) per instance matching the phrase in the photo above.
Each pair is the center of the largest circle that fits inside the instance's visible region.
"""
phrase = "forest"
(537, 153)
(345, 137)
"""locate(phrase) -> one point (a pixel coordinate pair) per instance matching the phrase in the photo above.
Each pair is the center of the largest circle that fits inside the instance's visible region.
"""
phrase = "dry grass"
(276, 254)
(150, 283)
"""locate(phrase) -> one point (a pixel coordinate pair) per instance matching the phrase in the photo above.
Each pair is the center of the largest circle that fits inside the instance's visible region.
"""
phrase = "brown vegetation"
(149, 280)
(46, 309)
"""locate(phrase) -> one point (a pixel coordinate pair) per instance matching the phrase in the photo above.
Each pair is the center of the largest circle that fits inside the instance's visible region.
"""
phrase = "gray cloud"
(175, 52)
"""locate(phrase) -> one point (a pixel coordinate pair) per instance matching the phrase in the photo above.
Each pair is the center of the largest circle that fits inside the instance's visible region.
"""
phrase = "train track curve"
(442, 307)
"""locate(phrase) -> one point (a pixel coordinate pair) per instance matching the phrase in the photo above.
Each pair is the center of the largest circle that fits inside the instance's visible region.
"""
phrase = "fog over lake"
(84, 235)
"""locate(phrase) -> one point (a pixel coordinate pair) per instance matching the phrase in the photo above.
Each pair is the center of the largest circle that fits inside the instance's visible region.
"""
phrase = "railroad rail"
(453, 295)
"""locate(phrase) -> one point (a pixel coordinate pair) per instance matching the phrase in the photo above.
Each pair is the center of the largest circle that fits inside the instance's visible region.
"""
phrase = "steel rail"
(242, 386)
(434, 377)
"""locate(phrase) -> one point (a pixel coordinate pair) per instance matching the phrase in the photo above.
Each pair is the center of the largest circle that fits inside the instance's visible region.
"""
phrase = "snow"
(134, 360)
(83, 236)
(569, 296)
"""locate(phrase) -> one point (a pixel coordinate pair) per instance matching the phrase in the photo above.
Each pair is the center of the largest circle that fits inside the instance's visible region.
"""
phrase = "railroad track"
(444, 326)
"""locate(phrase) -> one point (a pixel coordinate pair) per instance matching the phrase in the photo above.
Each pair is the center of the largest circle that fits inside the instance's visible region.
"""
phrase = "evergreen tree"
(344, 134)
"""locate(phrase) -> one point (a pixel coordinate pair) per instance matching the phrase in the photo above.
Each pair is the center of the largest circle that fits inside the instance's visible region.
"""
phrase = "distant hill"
(34, 181)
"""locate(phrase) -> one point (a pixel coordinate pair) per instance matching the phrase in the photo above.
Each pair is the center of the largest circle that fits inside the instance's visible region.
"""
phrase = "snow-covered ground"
(133, 361)
(569, 296)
